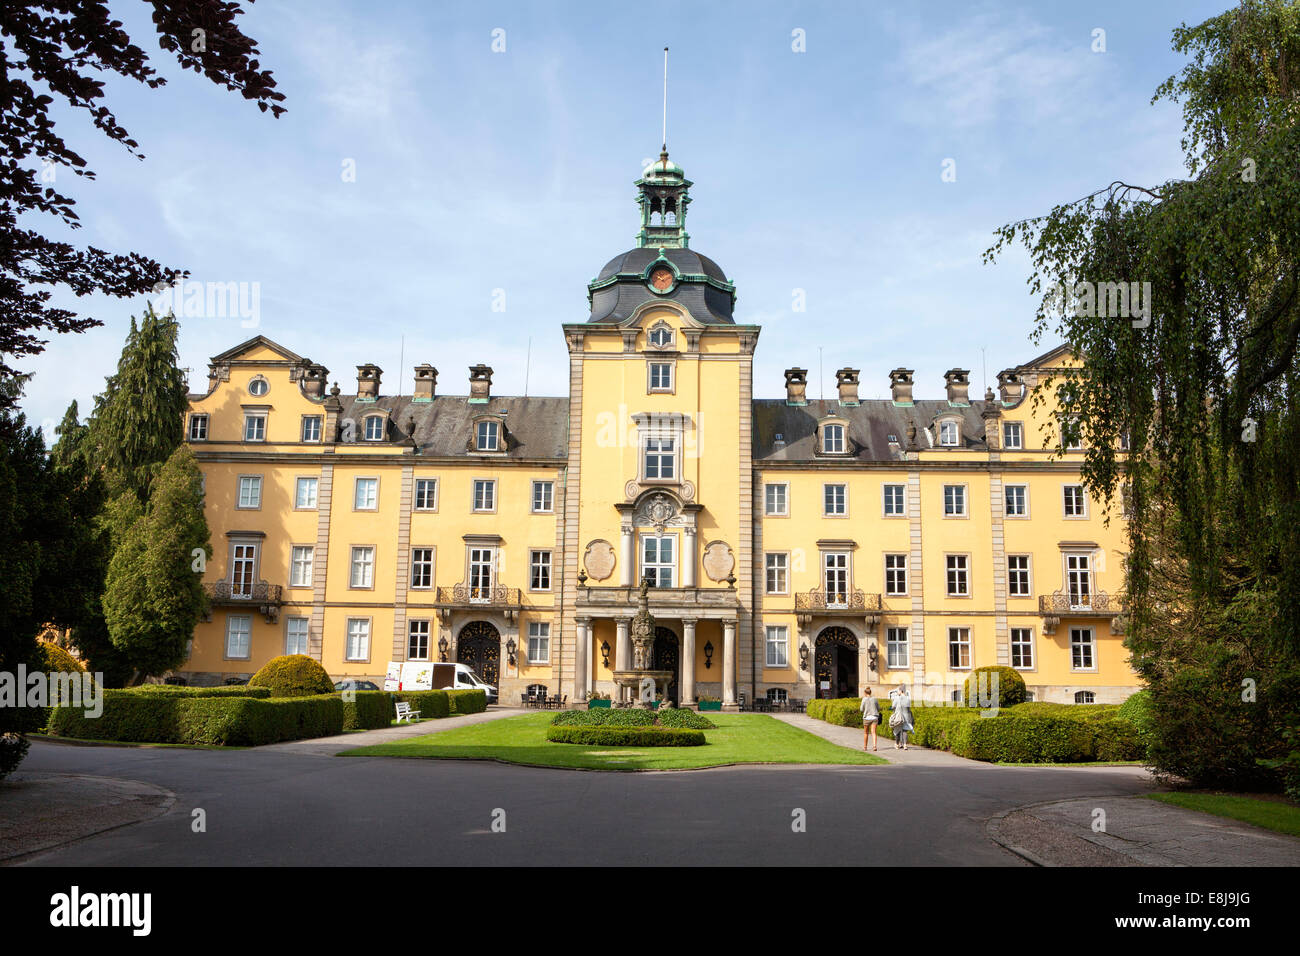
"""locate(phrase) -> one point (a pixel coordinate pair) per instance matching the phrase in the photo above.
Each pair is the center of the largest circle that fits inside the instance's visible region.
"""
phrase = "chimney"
(958, 380)
(796, 386)
(846, 380)
(1010, 388)
(900, 385)
(480, 384)
(426, 383)
(313, 380)
(368, 381)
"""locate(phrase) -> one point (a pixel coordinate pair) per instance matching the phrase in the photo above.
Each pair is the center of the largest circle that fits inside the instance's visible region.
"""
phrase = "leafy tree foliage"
(1201, 389)
(56, 51)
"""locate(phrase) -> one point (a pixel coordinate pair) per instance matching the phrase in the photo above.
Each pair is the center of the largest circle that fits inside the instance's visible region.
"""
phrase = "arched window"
(1084, 697)
(833, 439)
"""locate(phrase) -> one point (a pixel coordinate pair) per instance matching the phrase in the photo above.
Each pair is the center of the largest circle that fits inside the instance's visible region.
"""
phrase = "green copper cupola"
(663, 197)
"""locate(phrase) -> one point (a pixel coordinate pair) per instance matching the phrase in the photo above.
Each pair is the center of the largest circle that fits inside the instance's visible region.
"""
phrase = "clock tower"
(662, 193)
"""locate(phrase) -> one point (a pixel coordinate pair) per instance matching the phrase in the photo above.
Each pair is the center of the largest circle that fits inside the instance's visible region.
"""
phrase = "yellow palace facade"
(796, 548)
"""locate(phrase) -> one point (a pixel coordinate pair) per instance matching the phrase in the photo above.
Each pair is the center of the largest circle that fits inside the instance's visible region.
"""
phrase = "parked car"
(423, 675)
(351, 684)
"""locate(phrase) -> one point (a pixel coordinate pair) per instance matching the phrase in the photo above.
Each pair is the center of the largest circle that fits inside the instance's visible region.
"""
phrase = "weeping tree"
(1184, 297)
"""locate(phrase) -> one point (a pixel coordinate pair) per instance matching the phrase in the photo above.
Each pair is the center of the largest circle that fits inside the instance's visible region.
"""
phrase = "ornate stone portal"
(640, 686)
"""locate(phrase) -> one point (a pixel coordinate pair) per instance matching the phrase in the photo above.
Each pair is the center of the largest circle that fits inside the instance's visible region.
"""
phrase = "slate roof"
(870, 425)
(706, 302)
(537, 427)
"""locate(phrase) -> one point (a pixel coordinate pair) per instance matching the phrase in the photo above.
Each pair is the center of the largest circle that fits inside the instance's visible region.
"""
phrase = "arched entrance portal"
(479, 646)
(837, 663)
(668, 658)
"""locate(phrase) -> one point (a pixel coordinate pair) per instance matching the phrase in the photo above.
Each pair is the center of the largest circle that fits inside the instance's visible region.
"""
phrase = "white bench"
(404, 712)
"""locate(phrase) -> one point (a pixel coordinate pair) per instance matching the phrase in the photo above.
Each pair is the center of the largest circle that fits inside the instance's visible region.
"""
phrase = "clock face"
(661, 278)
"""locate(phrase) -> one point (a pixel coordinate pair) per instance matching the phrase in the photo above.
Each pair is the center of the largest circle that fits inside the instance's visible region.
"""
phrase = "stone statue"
(643, 630)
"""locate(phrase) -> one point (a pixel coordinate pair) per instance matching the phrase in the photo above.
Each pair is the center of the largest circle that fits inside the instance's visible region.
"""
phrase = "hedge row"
(176, 690)
(369, 710)
(467, 701)
(1025, 733)
(214, 719)
(604, 717)
(427, 703)
(625, 736)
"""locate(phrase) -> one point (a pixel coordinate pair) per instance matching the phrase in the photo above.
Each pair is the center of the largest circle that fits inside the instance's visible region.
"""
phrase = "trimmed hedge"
(429, 703)
(1023, 733)
(681, 717)
(197, 719)
(467, 701)
(175, 690)
(1137, 710)
(624, 736)
(370, 710)
(628, 717)
(293, 675)
(1010, 685)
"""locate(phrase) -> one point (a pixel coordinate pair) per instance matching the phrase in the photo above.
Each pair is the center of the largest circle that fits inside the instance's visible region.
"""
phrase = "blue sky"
(478, 170)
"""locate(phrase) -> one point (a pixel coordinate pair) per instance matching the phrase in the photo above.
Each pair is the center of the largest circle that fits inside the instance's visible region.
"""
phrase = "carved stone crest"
(718, 560)
(599, 559)
(657, 510)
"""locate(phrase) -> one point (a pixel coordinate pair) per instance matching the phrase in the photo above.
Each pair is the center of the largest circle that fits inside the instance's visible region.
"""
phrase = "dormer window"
(489, 436)
(949, 434)
(833, 439)
(375, 427)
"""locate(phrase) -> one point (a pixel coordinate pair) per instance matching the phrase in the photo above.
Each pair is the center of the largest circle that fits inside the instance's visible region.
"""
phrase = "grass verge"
(1271, 814)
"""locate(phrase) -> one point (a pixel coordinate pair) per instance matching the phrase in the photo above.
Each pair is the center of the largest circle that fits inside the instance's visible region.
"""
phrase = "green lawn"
(1269, 814)
(740, 738)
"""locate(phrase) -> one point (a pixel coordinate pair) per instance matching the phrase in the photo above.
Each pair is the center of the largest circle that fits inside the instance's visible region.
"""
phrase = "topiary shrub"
(1137, 710)
(604, 718)
(681, 717)
(293, 675)
(979, 688)
(625, 736)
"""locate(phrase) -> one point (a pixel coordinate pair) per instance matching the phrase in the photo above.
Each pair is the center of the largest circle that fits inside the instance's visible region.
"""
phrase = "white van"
(425, 675)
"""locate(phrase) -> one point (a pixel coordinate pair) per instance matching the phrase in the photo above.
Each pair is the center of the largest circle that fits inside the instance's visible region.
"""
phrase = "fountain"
(643, 682)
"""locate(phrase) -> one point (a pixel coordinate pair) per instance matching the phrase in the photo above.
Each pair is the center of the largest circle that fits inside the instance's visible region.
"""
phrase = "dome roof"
(686, 261)
(701, 286)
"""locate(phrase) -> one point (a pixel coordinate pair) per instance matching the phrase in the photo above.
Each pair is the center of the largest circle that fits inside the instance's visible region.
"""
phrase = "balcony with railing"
(265, 598)
(492, 597)
(833, 603)
(1077, 604)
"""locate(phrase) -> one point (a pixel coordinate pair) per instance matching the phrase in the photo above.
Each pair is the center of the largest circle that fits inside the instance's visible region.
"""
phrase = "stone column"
(627, 558)
(689, 558)
(687, 690)
(581, 670)
(729, 664)
(623, 648)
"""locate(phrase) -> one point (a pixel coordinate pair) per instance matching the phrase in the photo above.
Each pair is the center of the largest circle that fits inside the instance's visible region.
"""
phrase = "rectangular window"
(894, 502)
(365, 496)
(1013, 436)
(896, 647)
(250, 491)
(426, 494)
(363, 568)
(657, 560)
(543, 496)
(539, 642)
(301, 564)
(661, 376)
(422, 567)
(295, 635)
(239, 636)
(778, 645)
(959, 648)
(375, 427)
(954, 501)
(417, 641)
(198, 428)
(778, 564)
(540, 573)
(1071, 434)
(311, 428)
(958, 575)
(1018, 575)
(358, 648)
(896, 574)
(1076, 501)
(835, 500)
(243, 570)
(659, 458)
(255, 426)
(482, 565)
(948, 433)
(1022, 647)
(1017, 498)
(488, 436)
(1078, 580)
(304, 494)
(833, 439)
(485, 495)
(775, 497)
(1083, 655)
(835, 578)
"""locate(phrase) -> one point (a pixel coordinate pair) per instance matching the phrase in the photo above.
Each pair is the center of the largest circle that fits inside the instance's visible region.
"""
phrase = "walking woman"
(870, 719)
(900, 721)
